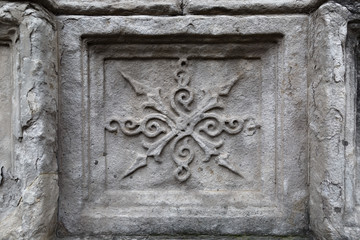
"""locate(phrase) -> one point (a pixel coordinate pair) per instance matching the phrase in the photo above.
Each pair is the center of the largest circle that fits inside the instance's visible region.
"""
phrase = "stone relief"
(311, 129)
(180, 123)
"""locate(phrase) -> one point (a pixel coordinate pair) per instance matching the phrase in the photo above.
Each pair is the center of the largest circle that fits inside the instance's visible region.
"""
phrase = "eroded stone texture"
(28, 189)
(352, 129)
(352, 6)
(114, 7)
(179, 7)
(183, 237)
(249, 7)
(327, 120)
(180, 126)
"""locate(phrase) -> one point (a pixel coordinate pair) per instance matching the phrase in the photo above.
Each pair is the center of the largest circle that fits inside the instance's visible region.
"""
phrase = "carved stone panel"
(187, 111)
(161, 133)
(182, 118)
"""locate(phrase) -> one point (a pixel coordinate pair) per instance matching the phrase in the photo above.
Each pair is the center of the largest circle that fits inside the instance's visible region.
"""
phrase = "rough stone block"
(28, 95)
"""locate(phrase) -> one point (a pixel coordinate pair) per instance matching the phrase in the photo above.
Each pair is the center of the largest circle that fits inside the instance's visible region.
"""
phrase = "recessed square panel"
(181, 133)
(193, 135)
(175, 130)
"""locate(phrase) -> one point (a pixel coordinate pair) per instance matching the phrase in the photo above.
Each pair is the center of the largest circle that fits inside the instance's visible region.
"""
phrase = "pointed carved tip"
(140, 161)
(225, 89)
(222, 161)
(121, 73)
(124, 76)
(138, 87)
(158, 159)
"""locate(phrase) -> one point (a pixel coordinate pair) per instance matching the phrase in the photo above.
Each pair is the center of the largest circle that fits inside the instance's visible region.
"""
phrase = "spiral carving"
(182, 156)
(182, 78)
(182, 173)
(181, 75)
(131, 127)
(184, 97)
(113, 125)
(233, 126)
(212, 126)
(153, 126)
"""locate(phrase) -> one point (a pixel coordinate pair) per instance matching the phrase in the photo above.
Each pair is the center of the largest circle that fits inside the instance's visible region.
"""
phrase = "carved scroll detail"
(181, 123)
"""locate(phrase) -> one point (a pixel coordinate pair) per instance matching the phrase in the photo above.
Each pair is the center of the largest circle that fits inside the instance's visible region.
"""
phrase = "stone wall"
(172, 119)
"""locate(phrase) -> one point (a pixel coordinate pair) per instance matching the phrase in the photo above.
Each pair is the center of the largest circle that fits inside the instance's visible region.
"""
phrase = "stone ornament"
(182, 122)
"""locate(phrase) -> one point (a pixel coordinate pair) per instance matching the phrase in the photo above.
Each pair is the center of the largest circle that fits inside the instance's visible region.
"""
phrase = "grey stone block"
(29, 188)
(164, 123)
(183, 125)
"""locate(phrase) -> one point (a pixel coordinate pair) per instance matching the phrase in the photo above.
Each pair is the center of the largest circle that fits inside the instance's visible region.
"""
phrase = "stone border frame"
(271, 200)
(76, 30)
(31, 30)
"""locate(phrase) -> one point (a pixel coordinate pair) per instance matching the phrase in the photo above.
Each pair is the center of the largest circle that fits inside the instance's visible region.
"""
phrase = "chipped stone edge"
(35, 76)
(111, 7)
(327, 94)
(179, 7)
(214, 7)
(351, 5)
(352, 193)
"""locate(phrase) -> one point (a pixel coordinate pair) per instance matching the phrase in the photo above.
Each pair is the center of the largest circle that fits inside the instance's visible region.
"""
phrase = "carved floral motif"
(181, 122)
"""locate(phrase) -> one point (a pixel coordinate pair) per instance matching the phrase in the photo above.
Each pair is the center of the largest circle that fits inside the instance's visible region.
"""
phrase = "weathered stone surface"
(352, 132)
(249, 7)
(352, 6)
(28, 189)
(183, 237)
(114, 7)
(178, 7)
(111, 183)
(331, 141)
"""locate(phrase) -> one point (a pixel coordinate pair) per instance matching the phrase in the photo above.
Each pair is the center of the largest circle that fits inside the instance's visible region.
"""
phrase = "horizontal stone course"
(179, 7)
